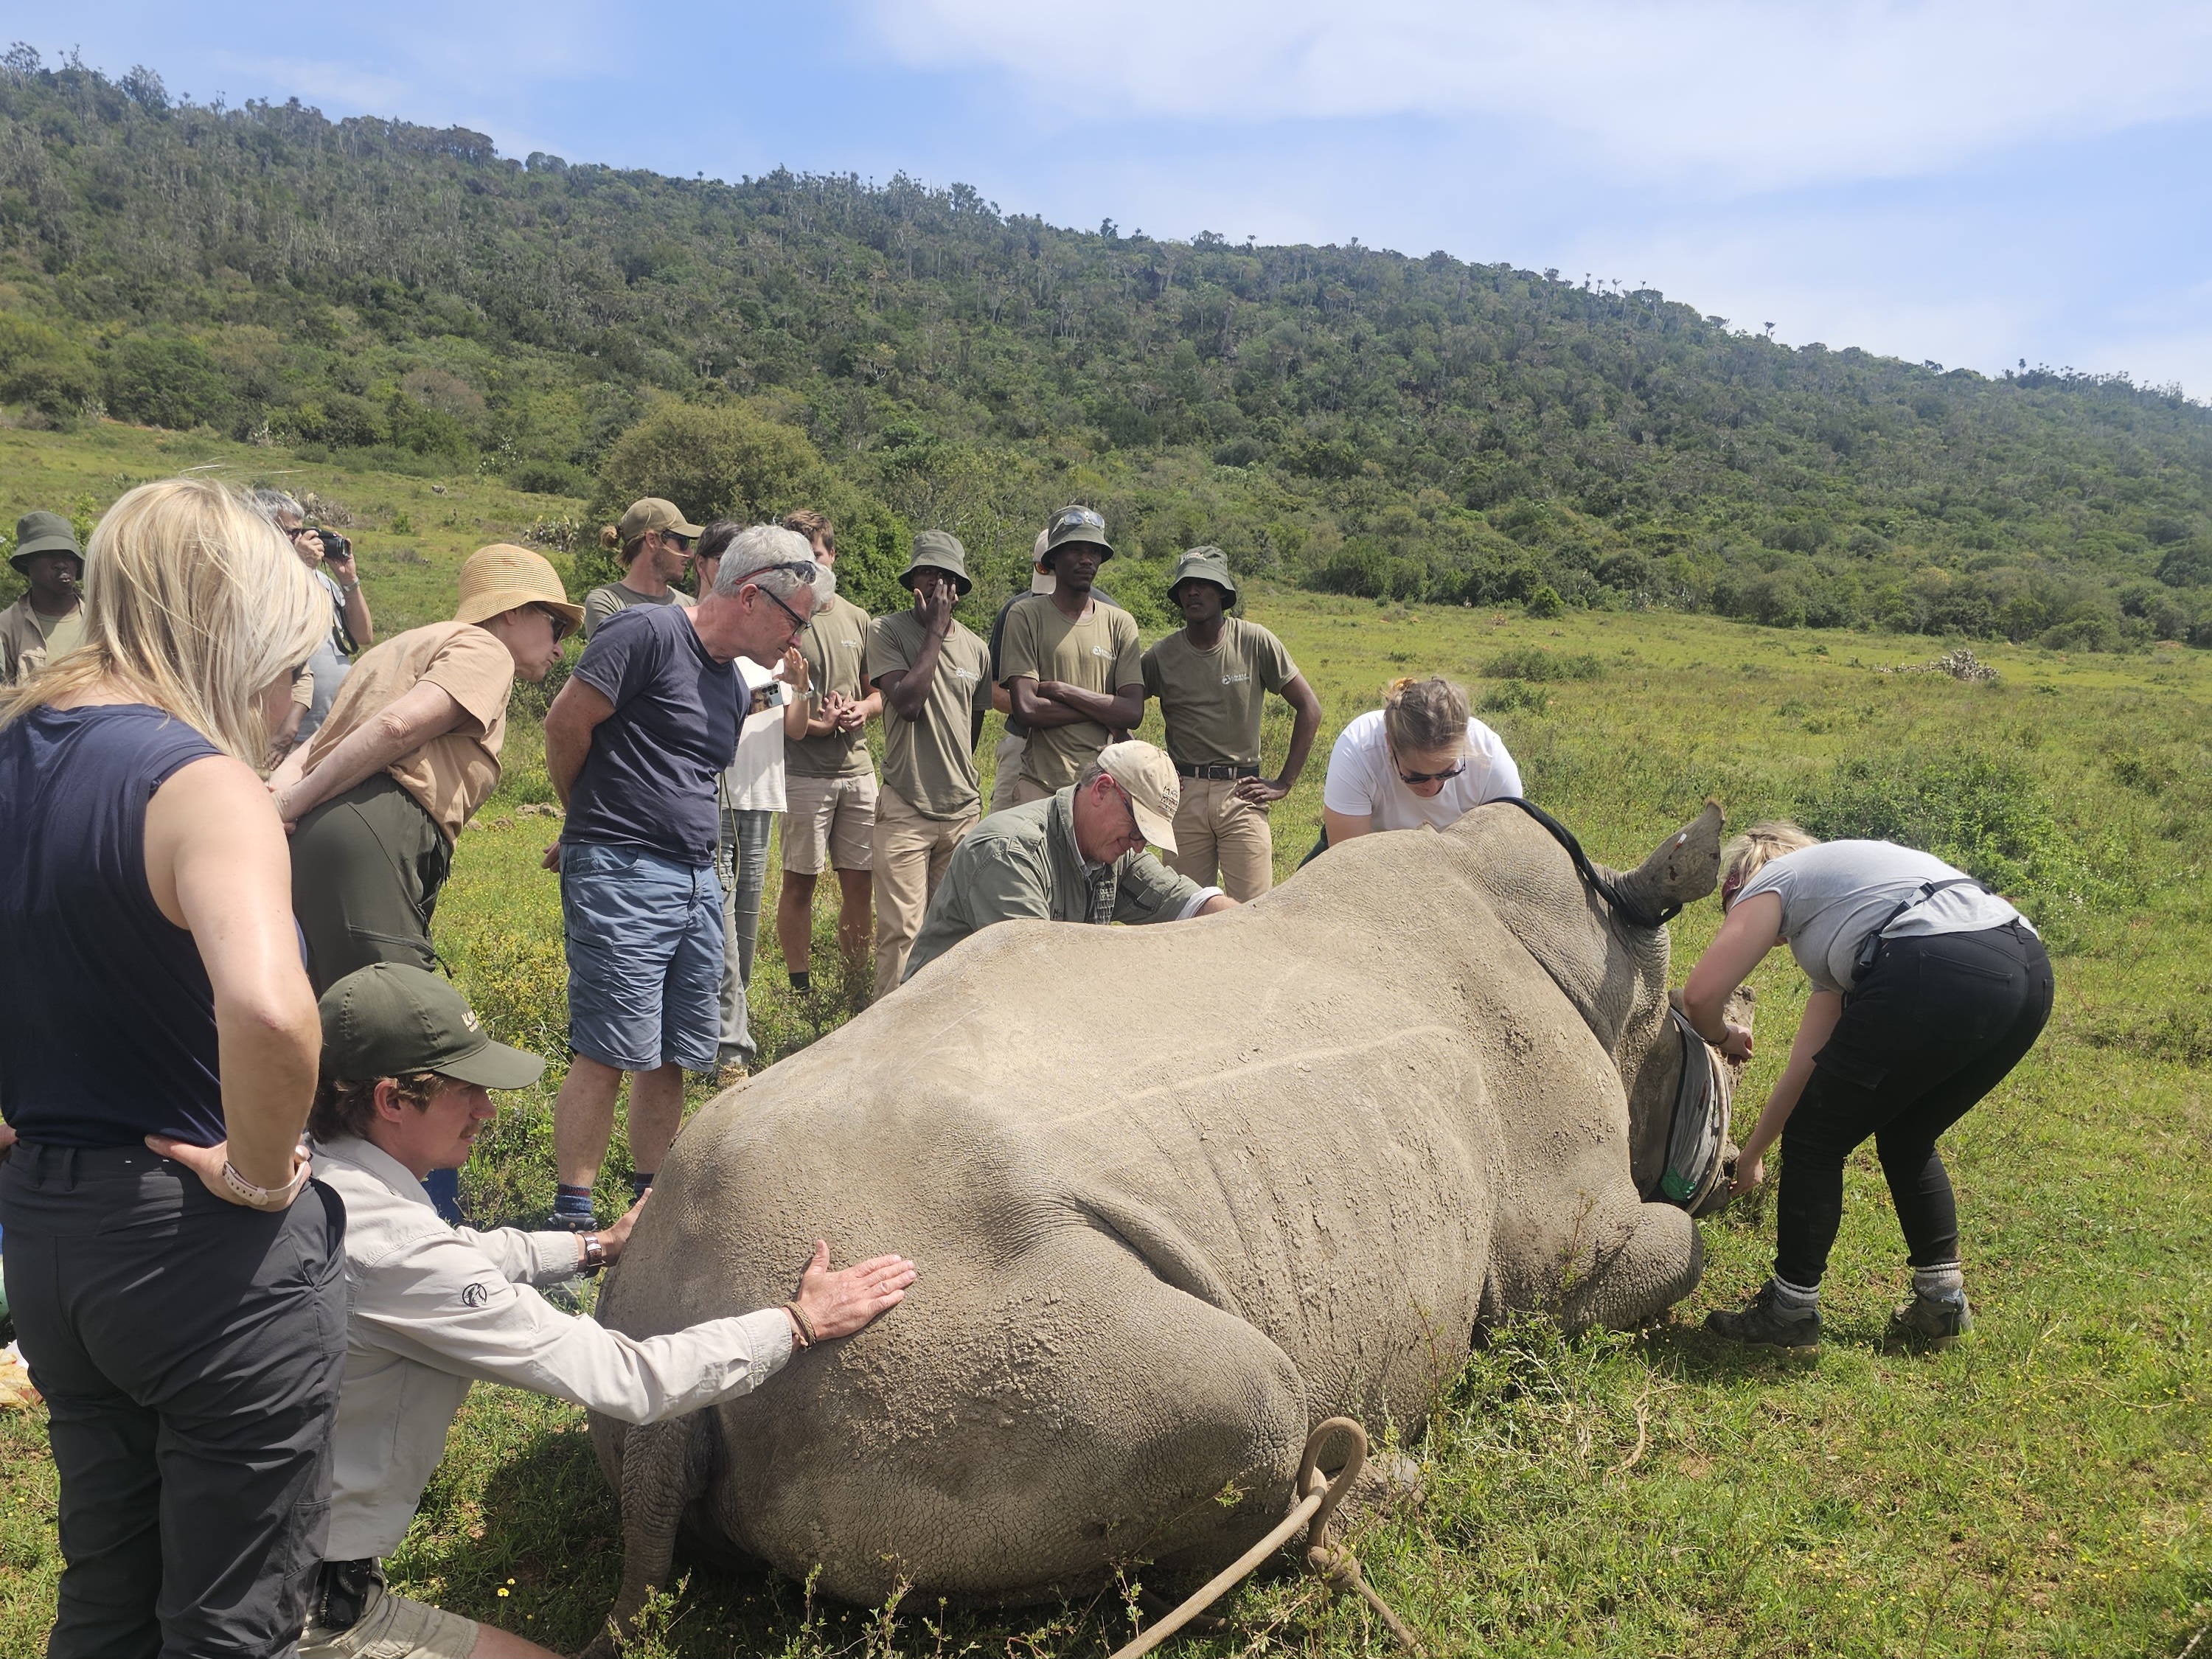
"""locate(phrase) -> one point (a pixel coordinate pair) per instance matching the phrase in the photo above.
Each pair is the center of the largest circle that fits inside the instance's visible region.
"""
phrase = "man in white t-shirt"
(1419, 759)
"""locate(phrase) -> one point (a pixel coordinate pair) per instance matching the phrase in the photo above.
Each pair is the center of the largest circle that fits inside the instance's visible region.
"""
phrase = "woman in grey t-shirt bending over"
(1928, 988)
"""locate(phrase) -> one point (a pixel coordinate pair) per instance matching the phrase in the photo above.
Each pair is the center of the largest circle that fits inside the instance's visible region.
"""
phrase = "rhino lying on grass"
(1176, 1194)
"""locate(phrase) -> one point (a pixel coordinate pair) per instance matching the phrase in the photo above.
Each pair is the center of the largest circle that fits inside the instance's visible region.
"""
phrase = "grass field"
(2042, 1490)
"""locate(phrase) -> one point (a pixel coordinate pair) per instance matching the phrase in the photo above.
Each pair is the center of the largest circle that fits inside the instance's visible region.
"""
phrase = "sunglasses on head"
(1074, 516)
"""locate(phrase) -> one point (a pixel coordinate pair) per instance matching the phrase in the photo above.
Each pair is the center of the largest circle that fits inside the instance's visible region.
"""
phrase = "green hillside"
(391, 296)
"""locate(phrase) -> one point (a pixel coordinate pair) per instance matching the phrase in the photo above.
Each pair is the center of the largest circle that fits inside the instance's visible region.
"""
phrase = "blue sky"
(1969, 181)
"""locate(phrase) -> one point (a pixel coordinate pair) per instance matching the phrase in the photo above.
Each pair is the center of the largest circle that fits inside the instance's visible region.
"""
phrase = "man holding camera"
(328, 558)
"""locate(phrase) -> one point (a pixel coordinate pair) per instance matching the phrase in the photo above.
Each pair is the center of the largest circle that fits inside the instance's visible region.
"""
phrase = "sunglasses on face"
(561, 625)
(1430, 777)
(681, 543)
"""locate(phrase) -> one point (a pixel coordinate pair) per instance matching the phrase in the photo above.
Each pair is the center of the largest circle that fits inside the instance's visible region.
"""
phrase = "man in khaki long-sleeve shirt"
(407, 1071)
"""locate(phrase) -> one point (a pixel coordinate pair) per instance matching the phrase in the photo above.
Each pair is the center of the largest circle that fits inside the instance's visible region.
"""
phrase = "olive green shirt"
(835, 643)
(1212, 701)
(1022, 862)
(602, 603)
(930, 760)
(1099, 653)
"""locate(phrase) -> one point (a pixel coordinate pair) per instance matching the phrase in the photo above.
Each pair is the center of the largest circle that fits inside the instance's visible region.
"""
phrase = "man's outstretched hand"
(839, 1304)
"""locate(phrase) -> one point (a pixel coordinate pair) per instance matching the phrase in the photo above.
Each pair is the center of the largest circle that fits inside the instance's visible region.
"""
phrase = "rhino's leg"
(664, 1467)
(1658, 1261)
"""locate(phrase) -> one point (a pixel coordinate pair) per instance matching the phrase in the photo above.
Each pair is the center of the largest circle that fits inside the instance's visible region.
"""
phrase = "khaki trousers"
(1215, 832)
(1007, 761)
(1029, 789)
(910, 853)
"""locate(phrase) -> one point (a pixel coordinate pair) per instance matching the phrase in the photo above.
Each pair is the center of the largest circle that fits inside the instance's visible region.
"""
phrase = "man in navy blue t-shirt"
(635, 741)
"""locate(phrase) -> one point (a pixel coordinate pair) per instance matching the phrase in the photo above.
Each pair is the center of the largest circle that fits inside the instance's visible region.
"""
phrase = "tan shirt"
(28, 641)
(931, 761)
(602, 603)
(452, 775)
(1099, 653)
(835, 643)
(1212, 701)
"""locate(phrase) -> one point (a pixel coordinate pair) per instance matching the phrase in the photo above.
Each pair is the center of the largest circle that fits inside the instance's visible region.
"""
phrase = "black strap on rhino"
(1628, 910)
(1699, 1135)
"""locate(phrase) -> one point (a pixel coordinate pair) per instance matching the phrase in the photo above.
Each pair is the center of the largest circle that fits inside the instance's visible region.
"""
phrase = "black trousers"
(1934, 1026)
(190, 1352)
(366, 866)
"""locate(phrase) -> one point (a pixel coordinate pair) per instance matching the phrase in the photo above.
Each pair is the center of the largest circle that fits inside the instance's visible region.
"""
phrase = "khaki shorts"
(829, 820)
(394, 1628)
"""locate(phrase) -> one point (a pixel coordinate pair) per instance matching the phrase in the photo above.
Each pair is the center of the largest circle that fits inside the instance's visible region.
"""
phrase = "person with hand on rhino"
(934, 678)
(1420, 759)
(1076, 855)
(407, 1075)
(1211, 679)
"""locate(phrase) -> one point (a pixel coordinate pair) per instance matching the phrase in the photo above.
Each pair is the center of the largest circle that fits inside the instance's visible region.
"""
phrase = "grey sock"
(1943, 1282)
(1794, 1298)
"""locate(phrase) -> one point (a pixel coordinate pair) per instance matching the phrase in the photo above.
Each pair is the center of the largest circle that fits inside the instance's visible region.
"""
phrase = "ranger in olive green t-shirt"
(930, 760)
(1212, 678)
(1071, 666)
(835, 643)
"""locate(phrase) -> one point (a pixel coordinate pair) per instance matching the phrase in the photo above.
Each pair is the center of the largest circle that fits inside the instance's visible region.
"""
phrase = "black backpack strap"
(1870, 949)
(1627, 909)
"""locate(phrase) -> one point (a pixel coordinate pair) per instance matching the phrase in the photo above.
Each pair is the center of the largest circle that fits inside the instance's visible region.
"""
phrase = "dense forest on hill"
(1353, 419)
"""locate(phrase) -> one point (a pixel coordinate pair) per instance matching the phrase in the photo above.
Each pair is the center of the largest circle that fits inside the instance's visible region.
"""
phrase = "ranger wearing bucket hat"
(410, 751)
(1211, 679)
(1071, 667)
(407, 1073)
(1077, 855)
(654, 542)
(49, 619)
(935, 679)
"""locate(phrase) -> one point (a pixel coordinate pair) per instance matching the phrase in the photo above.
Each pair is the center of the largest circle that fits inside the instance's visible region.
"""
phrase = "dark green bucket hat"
(44, 532)
(388, 1019)
(939, 550)
(1208, 564)
(1075, 523)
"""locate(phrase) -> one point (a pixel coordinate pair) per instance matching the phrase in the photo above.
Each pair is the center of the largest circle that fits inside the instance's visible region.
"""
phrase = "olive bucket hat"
(939, 550)
(44, 532)
(1208, 564)
(388, 1019)
(1076, 524)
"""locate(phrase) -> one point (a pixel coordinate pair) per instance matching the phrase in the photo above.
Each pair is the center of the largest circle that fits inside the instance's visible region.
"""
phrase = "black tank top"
(107, 1018)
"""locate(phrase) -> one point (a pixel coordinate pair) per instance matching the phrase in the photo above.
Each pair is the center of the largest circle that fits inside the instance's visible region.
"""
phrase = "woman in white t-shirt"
(1421, 758)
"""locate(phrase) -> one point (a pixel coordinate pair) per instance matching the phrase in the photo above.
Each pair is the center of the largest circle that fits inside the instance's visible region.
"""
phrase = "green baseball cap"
(388, 1019)
(937, 550)
(44, 532)
(1075, 523)
(1208, 564)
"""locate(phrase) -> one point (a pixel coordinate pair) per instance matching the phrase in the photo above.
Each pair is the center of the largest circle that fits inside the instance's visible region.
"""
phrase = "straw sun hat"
(502, 576)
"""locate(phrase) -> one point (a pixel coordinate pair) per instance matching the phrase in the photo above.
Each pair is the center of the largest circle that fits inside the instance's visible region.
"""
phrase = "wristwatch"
(595, 1254)
(266, 1198)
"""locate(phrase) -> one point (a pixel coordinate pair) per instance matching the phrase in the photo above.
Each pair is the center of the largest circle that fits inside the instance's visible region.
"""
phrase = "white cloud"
(1752, 95)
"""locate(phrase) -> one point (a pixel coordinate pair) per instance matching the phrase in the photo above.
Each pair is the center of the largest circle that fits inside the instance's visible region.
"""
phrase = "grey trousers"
(742, 863)
(189, 1353)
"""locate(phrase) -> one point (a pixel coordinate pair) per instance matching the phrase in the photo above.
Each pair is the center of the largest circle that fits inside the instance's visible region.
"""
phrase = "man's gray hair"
(272, 503)
(763, 555)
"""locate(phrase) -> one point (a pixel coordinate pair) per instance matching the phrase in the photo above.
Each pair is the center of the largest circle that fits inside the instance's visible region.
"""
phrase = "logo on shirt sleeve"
(474, 1294)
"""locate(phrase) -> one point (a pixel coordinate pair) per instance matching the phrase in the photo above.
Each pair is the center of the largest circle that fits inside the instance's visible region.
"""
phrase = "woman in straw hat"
(409, 752)
(178, 1281)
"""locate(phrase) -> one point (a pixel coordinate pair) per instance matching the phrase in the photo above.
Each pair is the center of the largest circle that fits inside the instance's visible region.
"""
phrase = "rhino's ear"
(1684, 867)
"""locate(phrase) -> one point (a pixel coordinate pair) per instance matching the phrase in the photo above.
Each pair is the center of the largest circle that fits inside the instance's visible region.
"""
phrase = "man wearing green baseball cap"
(1077, 855)
(1211, 679)
(935, 679)
(49, 619)
(407, 1072)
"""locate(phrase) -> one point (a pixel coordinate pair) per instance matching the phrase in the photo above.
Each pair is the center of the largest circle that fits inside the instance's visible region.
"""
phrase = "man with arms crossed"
(635, 744)
(935, 679)
(1211, 680)
(829, 780)
(407, 1073)
(1070, 665)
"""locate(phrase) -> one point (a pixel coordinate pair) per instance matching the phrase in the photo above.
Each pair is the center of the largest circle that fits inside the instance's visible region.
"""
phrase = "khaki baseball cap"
(1076, 524)
(44, 532)
(502, 576)
(1148, 778)
(1041, 580)
(388, 1019)
(1208, 564)
(939, 550)
(652, 513)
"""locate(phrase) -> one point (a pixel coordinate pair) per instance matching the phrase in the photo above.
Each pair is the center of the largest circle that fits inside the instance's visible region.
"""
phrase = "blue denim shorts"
(645, 958)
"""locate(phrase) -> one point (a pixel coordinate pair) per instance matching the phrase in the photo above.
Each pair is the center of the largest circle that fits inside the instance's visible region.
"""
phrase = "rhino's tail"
(664, 1467)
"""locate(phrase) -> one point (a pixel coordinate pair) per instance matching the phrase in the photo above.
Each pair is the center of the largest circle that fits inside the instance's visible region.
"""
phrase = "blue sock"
(572, 1203)
(638, 1184)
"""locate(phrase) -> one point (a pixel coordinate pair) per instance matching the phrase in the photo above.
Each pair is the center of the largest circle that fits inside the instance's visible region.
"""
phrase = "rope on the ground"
(1334, 1565)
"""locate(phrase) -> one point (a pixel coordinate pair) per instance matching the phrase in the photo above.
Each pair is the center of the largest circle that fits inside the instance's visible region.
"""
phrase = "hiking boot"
(1763, 1325)
(1930, 1323)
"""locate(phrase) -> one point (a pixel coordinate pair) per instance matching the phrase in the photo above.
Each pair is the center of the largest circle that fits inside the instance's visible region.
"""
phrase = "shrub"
(1513, 694)
(1545, 601)
(712, 463)
(1535, 663)
(172, 383)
